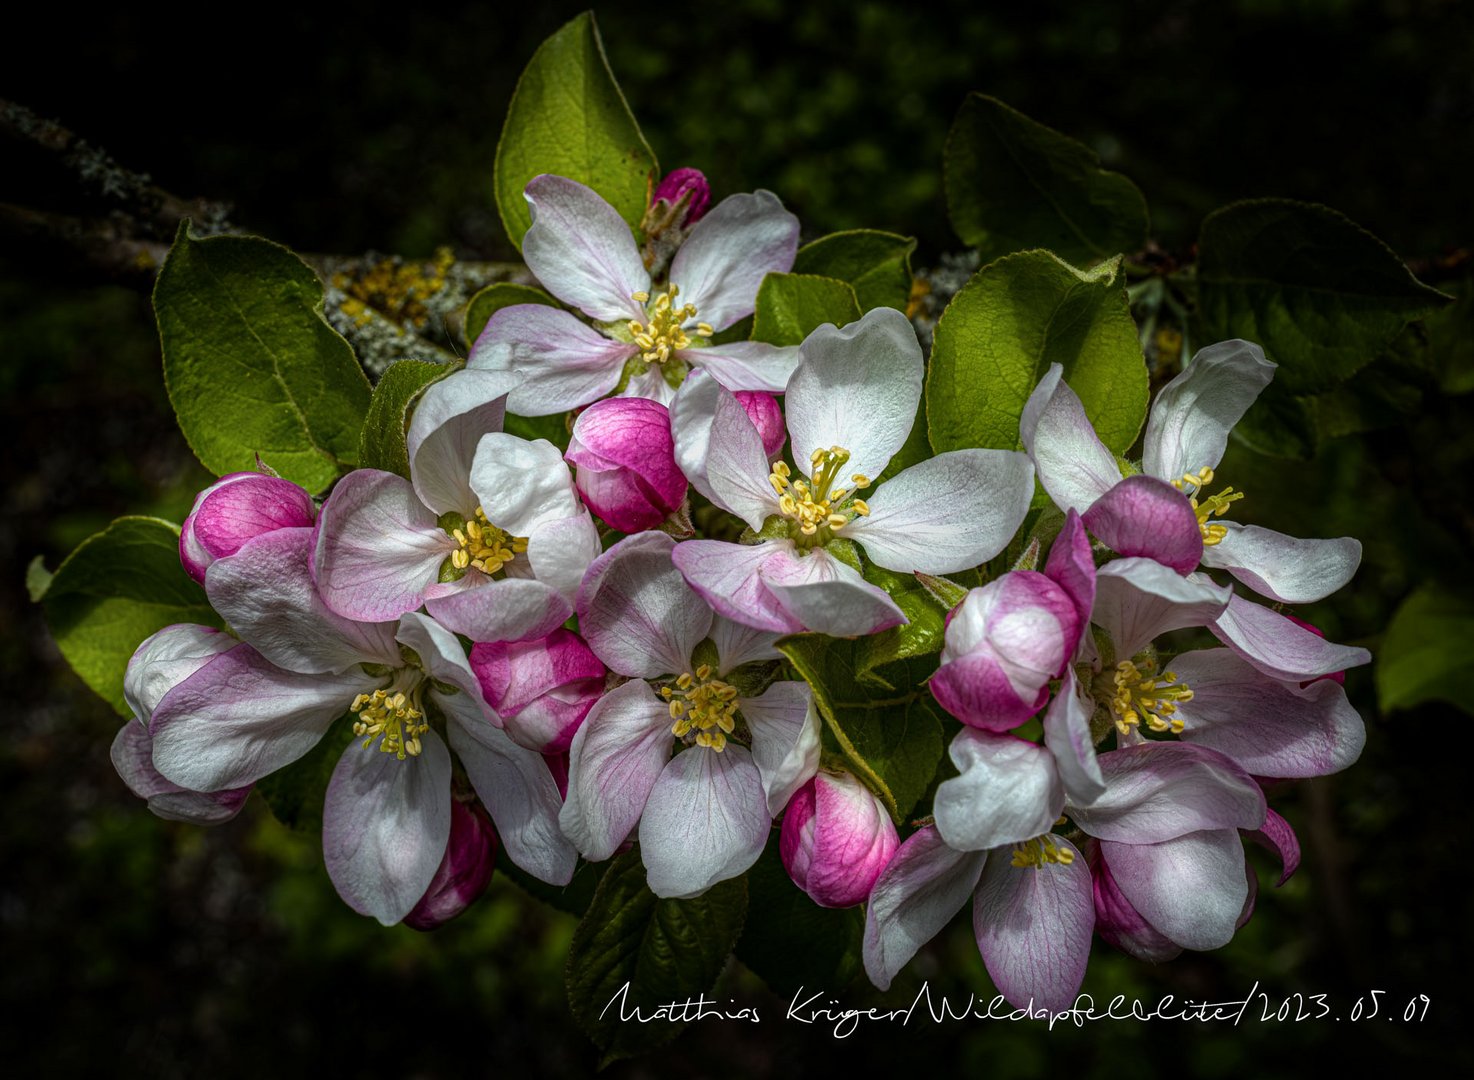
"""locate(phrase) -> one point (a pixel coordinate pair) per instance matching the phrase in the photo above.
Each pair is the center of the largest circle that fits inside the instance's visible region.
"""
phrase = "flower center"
(1141, 694)
(817, 508)
(1039, 852)
(483, 545)
(703, 705)
(1192, 485)
(393, 716)
(663, 334)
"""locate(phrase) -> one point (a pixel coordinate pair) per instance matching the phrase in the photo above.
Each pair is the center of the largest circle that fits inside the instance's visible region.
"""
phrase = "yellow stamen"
(1142, 695)
(393, 717)
(702, 704)
(1040, 851)
(1192, 485)
(664, 333)
(484, 546)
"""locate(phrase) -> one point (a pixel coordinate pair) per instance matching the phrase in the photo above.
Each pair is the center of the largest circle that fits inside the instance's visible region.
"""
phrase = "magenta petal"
(977, 690)
(239, 507)
(1145, 516)
(625, 456)
(1033, 926)
(465, 869)
(1071, 566)
(836, 840)
(1280, 838)
(689, 184)
(1119, 923)
(542, 689)
(762, 409)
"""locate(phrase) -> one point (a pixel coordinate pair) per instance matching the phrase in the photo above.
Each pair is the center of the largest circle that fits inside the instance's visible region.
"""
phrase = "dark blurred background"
(133, 946)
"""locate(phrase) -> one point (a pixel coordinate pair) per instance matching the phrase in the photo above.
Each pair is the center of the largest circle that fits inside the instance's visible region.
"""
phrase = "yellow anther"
(861, 507)
(1143, 695)
(664, 333)
(860, 480)
(1041, 851)
(704, 705)
(484, 546)
(782, 469)
(394, 718)
(640, 297)
(1191, 485)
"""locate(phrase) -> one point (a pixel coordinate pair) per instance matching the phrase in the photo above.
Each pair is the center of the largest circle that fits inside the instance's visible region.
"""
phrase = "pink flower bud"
(762, 410)
(464, 871)
(836, 839)
(690, 183)
(558, 766)
(1003, 644)
(626, 464)
(234, 509)
(542, 689)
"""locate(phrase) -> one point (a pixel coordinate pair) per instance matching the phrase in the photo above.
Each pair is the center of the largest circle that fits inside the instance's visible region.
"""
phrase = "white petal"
(736, 464)
(562, 363)
(948, 513)
(637, 612)
(691, 416)
(165, 660)
(738, 644)
(522, 485)
(1072, 464)
(785, 730)
(1279, 648)
(504, 609)
(1067, 734)
(729, 252)
(582, 251)
(1193, 414)
(385, 826)
(706, 821)
(1282, 567)
(1007, 790)
(828, 596)
(747, 365)
(1138, 599)
(440, 655)
(560, 551)
(856, 388)
(1191, 889)
(448, 422)
(1161, 790)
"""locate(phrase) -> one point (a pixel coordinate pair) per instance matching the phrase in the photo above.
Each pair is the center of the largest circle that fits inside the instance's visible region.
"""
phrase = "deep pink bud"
(234, 509)
(680, 183)
(762, 410)
(836, 839)
(558, 766)
(1335, 676)
(626, 462)
(541, 689)
(464, 872)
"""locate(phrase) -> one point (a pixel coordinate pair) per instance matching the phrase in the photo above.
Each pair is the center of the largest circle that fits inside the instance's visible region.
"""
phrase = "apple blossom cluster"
(528, 652)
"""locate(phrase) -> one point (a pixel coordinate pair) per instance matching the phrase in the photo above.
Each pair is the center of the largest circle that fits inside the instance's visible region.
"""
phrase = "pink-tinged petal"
(1193, 414)
(385, 825)
(730, 251)
(562, 362)
(1119, 923)
(582, 251)
(827, 596)
(706, 821)
(1033, 926)
(1138, 600)
(856, 388)
(737, 464)
(559, 552)
(522, 485)
(747, 365)
(164, 660)
(239, 718)
(541, 689)
(448, 422)
(440, 655)
(1268, 727)
(625, 459)
(1071, 566)
(727, 576)
(922, 887)
(1003, 644)
(1145, 516)
(507, 609)
(1072, 464)
(1190, 889)
(235, 509)
(1067, 735)
(378, 547)
(738, 644)
(1281, 567)
(464, 871)
(1278, 837)
(766, 415)
(132, 756)
(786, 739)
(1279, 648)
(688, 184)
(691, 416)
(265, 593)
(1161, 790)
(614, 761)
(948, 513)
(520, 790)
(836, 840)
(636, 611)
(1007, 790)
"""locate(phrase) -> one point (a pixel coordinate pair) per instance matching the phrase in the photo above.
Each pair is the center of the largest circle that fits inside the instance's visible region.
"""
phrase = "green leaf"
(573, 898)
(790, 306)
(1322, 295)
(922, 636)
(569, 118)
(882, 724)
(792, 941)
(1014, 184)
(877, 264)
(1451, 341)
(381, 445)
(118, 587)
(553, 428)
(1005, 327)
(295, 794)
(38, 579)
(1280, 424)
(665, 950)
(493, 298)
(250, 364)
(1425, 654)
